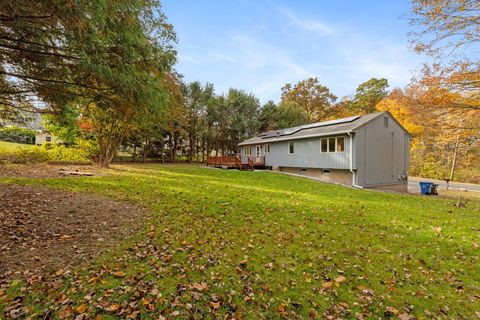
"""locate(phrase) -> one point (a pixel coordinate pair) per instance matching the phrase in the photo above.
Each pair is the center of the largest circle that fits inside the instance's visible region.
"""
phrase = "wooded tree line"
(105, 71)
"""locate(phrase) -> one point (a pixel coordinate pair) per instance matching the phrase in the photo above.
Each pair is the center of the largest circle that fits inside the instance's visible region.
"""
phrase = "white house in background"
(368, 151)
(43, 136)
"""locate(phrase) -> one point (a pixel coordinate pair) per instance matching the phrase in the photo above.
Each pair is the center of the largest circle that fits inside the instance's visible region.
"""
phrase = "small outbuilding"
(43, 137)
(367, 151)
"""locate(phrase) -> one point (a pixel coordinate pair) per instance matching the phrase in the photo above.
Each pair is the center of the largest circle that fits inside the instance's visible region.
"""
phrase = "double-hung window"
(291, 147)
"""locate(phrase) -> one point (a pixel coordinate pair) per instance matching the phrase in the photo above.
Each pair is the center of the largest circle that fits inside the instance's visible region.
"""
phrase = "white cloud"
(265, 68)
(262, 62)
(185, 58)
(224, 57)
(255, 54)
(312, 26)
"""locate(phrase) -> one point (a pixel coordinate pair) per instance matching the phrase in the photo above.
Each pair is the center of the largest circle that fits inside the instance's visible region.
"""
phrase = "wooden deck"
(236, 162)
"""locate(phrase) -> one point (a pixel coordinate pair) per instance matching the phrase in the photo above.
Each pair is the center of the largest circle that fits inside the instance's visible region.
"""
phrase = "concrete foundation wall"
(335, 176)
(400, 187)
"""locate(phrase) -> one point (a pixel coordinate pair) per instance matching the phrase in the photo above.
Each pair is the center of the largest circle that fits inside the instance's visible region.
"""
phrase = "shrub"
(17, 134)
(49, 152)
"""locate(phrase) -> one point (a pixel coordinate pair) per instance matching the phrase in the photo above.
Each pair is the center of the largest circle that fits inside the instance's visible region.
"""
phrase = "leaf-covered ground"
(251, 245)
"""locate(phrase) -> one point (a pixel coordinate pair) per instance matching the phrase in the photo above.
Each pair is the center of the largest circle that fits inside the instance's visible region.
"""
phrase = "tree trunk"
(134, 156)
(145, 150)
(108, 147)
(191, 146)
(455, 156)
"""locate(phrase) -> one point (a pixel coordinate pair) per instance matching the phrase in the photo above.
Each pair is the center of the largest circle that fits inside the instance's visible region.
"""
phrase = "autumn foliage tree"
(449, 31)
(314, 99)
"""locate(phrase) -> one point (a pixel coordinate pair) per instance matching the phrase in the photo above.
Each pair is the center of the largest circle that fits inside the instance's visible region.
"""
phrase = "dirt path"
(43, 170)
(44, 230)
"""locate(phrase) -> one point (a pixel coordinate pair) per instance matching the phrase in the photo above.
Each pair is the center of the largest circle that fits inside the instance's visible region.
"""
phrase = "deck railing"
(235, 161)
(223, 160)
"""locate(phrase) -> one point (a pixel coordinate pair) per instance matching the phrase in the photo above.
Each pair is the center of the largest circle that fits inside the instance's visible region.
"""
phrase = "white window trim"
(289, 147)
(328, 144)
(267, 147)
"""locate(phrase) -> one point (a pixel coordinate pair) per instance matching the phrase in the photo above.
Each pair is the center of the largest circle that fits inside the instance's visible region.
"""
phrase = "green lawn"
(12, 146)
(255, 245)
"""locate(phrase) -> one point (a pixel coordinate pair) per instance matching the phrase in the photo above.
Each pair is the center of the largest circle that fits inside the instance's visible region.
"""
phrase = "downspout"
(354, 173)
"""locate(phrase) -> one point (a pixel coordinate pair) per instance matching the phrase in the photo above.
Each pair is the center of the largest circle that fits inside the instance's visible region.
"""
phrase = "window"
(385, 122)
(324, 145)
(325, 171)
(291, 147)
(267, 148)
(336, 144)
(247, 150)
(340, 144)
(48, 138)
(258, 151)
(331, 144)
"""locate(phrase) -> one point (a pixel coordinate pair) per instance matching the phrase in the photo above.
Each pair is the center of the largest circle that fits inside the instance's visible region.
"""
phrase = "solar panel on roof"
(269, 135)
(290, 131)
(330, 122)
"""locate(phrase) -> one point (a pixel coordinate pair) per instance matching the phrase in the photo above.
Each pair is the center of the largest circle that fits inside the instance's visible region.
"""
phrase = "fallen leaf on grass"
(437, 230)
(200, 286)
(113, 307)
(405, 316)
(390, 311)
(118, 274)
(65, 237)
(281, 309)
(327, 285)
(92, 280)
(146, 301)
(340, 279)
(215, 305)
(65, 313)
(81, 308)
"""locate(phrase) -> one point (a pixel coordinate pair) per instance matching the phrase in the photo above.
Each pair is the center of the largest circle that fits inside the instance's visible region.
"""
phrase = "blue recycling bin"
(425, 187)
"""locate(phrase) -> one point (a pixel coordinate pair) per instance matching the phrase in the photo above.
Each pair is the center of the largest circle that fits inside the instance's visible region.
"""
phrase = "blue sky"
(260, 45)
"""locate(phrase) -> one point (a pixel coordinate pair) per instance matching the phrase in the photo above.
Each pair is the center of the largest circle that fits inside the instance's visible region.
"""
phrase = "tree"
(368, 94)
(404, 110)
(314, 99)
(285, 115)
(445, 26)
(448, 31)
(268, 116)
(197, 99)
(53, 54)
(64, 124)
(242, 111)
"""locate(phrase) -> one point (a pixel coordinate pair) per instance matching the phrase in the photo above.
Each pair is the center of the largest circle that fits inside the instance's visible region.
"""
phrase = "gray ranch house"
(368, 151)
